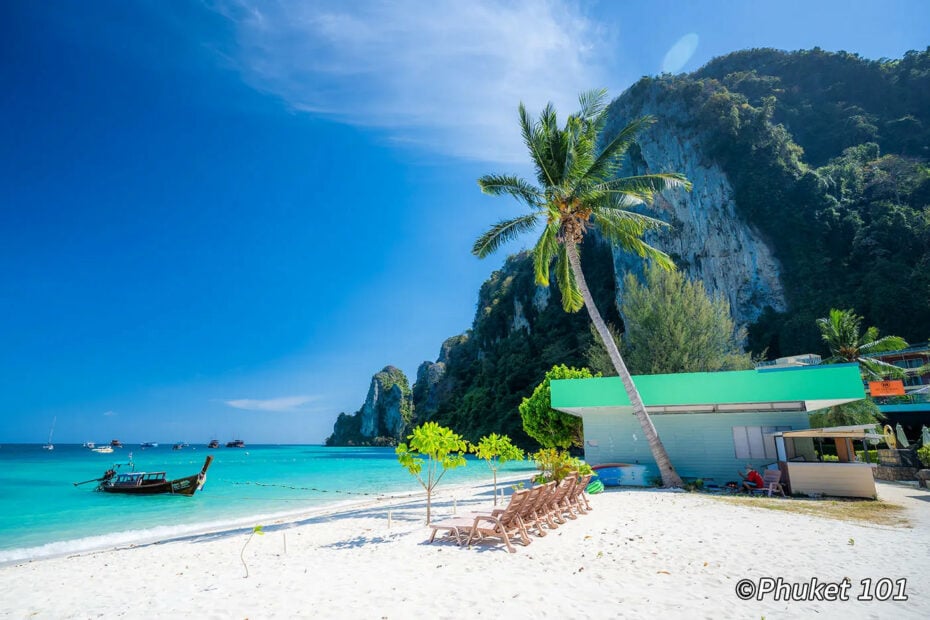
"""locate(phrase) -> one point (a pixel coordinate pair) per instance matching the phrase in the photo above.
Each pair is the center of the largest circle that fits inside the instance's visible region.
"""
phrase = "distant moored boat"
(213, 444)
(50, 445)
(115, 443)
(148, 444)
(235, 443)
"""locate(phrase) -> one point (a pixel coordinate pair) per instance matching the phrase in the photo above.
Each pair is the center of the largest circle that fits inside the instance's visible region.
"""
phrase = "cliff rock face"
(384, 416)
(432, 386)
(707, 238)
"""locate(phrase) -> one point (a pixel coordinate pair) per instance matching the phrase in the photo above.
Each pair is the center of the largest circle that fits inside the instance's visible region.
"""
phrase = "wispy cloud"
(286, 404)
(109, 414)
(445, 76)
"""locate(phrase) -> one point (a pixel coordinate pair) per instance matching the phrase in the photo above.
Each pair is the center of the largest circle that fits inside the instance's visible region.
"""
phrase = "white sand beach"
(639, 553)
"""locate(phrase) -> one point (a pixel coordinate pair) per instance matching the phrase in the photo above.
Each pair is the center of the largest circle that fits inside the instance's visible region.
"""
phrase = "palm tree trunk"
(670, 477)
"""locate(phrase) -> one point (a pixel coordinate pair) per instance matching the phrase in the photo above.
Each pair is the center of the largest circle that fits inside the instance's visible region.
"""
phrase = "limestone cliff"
(707, 238)
(384, 416)
(431, 388)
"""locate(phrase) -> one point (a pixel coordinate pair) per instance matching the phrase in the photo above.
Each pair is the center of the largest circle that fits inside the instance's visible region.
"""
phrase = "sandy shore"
(640, 553)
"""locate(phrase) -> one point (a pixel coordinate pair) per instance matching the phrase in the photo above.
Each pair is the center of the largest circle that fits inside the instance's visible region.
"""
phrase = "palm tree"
(840, 332)
(578, 190)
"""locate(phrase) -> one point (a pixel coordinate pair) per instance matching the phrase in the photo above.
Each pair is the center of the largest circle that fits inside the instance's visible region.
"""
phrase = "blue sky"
(219, 219)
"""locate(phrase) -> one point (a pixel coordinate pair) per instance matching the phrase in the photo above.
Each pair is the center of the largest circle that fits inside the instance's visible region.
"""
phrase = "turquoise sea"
(43, 514)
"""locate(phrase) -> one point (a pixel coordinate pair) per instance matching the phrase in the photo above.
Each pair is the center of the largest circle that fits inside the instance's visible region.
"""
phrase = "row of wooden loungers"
(536, 510)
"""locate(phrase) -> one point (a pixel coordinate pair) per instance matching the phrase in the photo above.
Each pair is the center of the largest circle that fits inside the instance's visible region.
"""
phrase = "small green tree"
(444, 450)
(551, 428)
(496, 450)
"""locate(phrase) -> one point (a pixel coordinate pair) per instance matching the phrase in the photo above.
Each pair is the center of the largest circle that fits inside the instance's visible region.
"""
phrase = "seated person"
(751, 479)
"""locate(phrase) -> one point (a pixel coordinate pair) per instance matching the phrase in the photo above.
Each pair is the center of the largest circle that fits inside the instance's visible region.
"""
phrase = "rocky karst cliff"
(383, 417)
(708, 239)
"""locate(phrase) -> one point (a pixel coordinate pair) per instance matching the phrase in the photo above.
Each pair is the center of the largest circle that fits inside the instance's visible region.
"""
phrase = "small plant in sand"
(496, 450)
(443, 448)
(255, 530)
(695, 485)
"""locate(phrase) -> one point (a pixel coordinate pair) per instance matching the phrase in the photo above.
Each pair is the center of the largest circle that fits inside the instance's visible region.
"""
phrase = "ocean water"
(43, 514)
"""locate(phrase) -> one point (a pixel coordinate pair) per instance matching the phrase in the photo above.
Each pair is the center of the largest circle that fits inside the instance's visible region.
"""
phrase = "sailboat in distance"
(50, 445)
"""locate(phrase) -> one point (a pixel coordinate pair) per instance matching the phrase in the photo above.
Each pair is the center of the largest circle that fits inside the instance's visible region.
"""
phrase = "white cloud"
(288, 404)
(679, 54)
(446, 76)
(109, 414)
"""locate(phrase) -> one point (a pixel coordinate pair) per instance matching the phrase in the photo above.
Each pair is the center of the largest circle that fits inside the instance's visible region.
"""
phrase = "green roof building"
(712, 424)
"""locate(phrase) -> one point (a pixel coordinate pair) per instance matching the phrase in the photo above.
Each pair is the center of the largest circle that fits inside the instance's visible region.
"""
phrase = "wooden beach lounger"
(462, 528)
(504, 524)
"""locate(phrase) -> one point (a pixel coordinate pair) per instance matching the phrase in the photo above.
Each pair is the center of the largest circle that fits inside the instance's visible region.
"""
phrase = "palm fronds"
(609, 158)
(502, 232)
(840, 332)
(646, 186)
(572, 300)
(546, 248)
(498, 184)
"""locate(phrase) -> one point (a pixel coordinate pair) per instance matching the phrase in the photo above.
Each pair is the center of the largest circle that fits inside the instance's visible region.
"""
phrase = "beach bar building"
(712, 424)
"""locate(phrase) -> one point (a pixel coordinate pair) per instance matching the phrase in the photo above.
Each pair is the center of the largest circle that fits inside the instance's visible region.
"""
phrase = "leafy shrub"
(695, 485)
(552, 428)
(556, 465)
(924, 455)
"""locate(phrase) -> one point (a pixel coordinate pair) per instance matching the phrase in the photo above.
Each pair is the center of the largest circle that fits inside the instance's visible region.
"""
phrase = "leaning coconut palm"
(578, 190)
(840, 332)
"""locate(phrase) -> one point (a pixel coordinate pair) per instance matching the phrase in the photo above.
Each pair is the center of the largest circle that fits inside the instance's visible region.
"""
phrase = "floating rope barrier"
(318, 490)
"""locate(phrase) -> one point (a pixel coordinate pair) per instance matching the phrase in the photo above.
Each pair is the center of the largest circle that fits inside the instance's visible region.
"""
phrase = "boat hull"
(621, 474)
(182, 486)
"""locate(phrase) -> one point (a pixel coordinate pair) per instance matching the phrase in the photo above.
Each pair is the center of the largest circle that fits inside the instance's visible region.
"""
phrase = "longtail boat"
(153, 483)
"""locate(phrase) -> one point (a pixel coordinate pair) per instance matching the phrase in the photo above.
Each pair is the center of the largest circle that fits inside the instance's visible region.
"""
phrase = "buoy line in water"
(293, 488)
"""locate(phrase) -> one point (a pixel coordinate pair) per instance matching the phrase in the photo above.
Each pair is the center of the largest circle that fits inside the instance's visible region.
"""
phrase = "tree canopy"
(672, 325)
(552, 428)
